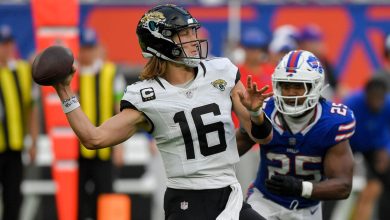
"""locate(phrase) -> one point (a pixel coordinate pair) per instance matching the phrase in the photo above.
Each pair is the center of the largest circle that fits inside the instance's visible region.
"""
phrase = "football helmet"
(298, 66)
(156, 29)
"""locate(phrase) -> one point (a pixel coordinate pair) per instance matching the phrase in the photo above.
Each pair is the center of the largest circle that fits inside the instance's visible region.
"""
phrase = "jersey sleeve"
(233, 69)
(224, 68)
(131, 98)
(343, 126)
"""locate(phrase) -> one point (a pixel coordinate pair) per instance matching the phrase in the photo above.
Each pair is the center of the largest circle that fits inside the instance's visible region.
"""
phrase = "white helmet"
(298, 66)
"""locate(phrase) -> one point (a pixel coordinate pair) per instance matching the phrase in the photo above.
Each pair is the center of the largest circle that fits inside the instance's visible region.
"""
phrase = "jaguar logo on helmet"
(156, 32)
(152, 18)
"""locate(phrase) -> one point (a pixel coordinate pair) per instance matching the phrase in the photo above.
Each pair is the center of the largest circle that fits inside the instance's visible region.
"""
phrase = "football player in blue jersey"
(185, 101)
(309, 158)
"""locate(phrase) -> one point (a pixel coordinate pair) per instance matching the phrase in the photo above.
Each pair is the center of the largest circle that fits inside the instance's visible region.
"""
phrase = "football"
(52, 65)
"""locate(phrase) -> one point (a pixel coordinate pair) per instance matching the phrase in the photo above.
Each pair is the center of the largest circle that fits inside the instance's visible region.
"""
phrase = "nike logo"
(313, 211)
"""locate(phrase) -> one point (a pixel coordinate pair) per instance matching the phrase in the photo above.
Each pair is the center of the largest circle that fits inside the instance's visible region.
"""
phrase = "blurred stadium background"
(352, 31)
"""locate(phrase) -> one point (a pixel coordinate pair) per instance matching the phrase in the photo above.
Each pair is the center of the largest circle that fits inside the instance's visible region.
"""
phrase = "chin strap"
(284, 123)
(191, 62)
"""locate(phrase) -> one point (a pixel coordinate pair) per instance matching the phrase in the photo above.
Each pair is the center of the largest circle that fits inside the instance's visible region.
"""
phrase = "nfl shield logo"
(292, 141)
(184, 205)
(189, 94)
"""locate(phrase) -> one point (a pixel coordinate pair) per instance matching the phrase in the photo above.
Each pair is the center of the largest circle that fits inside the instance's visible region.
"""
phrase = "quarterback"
(185, 102)
(309, 158)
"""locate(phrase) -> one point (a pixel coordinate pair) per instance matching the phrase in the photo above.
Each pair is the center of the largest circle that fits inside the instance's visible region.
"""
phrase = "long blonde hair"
(155, 67)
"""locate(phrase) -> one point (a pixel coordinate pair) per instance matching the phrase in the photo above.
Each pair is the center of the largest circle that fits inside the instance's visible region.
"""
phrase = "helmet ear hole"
(167, 33)
(176, 52)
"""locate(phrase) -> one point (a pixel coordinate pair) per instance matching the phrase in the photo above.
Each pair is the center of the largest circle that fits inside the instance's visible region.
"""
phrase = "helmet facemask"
(289, 105)
(189, 59)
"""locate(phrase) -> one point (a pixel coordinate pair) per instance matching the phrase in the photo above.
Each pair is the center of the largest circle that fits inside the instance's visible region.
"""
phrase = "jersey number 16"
(202, 130)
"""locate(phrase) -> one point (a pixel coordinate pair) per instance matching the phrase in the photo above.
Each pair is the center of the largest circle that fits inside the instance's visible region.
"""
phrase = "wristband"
(71, 104)
(261, 131)
(256, 113)
(307, 189)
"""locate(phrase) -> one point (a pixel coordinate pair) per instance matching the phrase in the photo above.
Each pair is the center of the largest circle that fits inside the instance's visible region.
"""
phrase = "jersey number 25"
(287, 167)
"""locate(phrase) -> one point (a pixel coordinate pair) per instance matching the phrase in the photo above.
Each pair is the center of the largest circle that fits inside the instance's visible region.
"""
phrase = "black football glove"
(284, 185)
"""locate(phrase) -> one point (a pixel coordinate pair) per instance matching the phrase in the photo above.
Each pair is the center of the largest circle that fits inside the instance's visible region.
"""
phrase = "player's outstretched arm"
(247, 104)
(112, 132)
(338, 168)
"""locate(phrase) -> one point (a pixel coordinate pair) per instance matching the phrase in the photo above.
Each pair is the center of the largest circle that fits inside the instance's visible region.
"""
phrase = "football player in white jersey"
(309, 158)
(185, 102)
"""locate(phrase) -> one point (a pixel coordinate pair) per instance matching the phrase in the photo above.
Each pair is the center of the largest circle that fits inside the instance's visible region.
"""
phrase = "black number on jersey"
(202, 130)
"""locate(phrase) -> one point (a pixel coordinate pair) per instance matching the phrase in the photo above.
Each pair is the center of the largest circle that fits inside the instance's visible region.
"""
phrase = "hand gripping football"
(52, 65)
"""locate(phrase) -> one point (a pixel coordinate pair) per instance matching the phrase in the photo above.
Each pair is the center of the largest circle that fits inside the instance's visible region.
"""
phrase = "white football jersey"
(192, 126)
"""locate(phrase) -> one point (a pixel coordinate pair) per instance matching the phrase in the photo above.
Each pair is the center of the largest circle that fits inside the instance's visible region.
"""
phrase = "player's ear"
(73, 70)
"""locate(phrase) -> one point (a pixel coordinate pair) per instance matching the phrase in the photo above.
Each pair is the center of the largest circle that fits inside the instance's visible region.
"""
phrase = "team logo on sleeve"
(147, 94)
(219, 84)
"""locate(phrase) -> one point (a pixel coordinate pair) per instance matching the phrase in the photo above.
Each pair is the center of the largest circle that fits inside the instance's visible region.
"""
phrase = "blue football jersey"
(302, 155)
